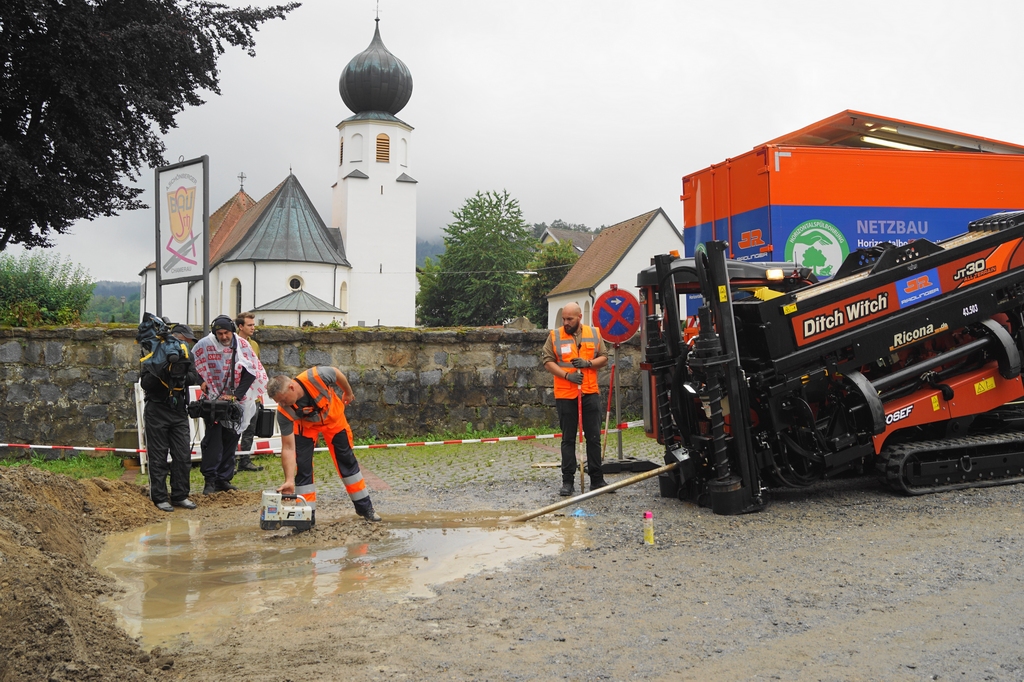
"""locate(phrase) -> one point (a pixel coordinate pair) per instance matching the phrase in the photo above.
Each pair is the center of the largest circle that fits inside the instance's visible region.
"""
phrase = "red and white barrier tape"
(267, 451)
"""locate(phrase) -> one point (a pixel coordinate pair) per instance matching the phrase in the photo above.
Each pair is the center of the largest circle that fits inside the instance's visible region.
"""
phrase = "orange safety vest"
(565, 350)
(329, 414)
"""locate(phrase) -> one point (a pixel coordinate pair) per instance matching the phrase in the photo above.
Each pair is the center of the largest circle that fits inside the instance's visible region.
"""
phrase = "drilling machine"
(906, 363)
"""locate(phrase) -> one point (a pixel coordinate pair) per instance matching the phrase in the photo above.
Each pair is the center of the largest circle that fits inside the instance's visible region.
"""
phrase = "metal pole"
(206, 245)
(581, 456)
(594, 493)
(618, 414)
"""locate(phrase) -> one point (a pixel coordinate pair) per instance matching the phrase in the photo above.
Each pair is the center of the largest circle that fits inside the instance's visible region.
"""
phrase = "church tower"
(374, 199)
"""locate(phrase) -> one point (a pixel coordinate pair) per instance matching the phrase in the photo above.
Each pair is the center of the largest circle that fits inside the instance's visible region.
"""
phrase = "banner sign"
(181, 221)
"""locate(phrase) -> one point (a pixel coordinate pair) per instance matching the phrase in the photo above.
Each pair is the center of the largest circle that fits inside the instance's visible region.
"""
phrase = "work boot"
(567, 489)
(245, 464)
(222, 486)
(184, 504)
(370, 515)
(165, 506)
(595, 485)
(210, 487)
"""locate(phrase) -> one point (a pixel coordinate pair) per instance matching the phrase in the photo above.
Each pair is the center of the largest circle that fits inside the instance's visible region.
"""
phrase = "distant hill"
(425, 249)
(116, 289)
(106, 305)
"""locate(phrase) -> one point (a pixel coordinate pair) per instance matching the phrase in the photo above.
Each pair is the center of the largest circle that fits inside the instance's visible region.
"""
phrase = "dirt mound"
(51, 626)
(345, 531)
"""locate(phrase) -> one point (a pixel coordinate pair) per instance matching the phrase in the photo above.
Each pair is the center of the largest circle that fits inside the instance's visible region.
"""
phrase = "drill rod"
(594, 493)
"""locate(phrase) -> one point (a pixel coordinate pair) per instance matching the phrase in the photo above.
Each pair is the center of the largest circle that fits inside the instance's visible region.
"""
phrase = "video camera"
(215, 410)
(161, 349)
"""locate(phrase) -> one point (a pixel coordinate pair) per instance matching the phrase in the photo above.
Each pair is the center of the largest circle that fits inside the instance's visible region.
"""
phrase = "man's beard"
(226, 344)
(571, 331)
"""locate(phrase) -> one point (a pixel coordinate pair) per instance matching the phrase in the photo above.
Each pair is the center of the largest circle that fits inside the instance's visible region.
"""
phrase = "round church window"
(295, 283)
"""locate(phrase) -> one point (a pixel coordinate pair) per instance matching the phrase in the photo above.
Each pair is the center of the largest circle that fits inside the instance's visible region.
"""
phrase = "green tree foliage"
(85, 88)
(475, 281)
(550, 263)
(112, 309)
(39, 288)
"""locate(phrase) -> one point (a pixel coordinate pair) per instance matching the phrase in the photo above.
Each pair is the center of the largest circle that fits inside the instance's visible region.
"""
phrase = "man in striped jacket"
(309, 405)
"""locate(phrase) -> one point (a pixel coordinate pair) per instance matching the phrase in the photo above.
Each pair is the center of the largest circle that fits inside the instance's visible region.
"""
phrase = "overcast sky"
(586, 110)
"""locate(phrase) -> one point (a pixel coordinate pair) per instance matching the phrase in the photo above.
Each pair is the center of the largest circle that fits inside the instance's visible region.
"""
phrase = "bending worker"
(309, 405)
(573, 354)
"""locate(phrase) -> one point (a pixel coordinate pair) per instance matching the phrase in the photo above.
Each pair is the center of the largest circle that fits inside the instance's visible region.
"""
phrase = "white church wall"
(377, 216)
(175, 297)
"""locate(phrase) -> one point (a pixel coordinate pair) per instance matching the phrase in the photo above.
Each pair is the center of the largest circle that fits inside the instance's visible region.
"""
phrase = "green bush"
(41, 288)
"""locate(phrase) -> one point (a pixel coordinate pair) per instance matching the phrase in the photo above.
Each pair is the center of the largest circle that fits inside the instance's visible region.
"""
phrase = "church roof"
(601, 257)
(232, 210)
(282, 226)
(301, 301)
(376, 80)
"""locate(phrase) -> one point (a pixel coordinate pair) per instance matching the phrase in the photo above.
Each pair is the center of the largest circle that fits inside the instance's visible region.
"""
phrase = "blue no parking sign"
(617, 315)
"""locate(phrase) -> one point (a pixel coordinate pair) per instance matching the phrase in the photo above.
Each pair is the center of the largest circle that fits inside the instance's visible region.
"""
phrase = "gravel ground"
(845, 581)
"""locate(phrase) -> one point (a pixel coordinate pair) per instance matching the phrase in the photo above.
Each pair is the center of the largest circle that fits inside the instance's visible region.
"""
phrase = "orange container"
(847, 182)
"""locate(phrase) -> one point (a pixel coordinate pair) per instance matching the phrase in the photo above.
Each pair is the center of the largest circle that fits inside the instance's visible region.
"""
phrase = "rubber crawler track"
(985, 464)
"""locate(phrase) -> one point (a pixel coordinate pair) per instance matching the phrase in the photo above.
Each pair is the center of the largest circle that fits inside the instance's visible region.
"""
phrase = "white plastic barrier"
(197, 429)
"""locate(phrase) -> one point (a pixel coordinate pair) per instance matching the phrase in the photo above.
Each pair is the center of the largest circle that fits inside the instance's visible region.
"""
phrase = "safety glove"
(580, 363)
(575, 377)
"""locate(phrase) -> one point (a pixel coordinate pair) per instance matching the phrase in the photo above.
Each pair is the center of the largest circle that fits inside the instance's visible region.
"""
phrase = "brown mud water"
(184, 576)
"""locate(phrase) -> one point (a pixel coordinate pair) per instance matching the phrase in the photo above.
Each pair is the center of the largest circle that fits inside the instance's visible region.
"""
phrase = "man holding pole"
(573, 354)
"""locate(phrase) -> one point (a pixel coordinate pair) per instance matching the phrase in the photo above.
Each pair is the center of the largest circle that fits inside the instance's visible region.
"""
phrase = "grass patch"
(78, 466)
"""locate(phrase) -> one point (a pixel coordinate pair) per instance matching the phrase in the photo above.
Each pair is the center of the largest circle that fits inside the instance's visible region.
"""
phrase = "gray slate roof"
(300, 301)
(289, 229)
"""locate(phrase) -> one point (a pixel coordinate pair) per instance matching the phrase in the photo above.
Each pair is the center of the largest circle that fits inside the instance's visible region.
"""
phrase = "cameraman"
(231, 373)
(167, 428)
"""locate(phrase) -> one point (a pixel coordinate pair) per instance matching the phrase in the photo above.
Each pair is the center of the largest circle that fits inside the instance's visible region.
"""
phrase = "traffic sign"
(617, 315)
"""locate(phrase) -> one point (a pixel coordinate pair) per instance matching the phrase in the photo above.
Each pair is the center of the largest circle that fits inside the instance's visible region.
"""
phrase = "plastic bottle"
(649, 527)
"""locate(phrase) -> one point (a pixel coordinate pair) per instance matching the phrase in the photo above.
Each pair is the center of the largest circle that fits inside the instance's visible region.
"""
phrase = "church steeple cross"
(241, 182)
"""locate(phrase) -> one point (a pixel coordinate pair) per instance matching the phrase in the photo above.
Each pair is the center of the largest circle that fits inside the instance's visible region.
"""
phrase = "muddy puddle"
(182, 578)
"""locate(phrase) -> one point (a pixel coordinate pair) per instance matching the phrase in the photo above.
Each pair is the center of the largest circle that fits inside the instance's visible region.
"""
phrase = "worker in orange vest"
(309, 405)
(573, 354)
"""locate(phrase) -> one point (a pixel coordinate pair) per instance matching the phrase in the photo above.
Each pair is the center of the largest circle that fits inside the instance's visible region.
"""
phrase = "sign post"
(182, 230)
(617, 315)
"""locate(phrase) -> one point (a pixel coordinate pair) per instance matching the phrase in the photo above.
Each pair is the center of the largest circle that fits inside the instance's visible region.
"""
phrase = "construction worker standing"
(310, 405)
(573, 354)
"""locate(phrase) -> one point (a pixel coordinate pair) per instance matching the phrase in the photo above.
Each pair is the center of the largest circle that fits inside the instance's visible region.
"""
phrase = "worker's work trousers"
(219, 445)
(344, 461)
(568, 421)
(167, 433)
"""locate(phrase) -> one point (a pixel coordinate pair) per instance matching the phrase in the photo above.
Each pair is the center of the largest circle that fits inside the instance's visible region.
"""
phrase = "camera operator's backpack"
(161, 349)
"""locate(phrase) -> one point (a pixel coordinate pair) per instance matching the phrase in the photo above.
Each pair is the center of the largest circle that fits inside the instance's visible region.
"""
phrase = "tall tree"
(550, 263)
(42, 288)
(84, 87)
(476, 280)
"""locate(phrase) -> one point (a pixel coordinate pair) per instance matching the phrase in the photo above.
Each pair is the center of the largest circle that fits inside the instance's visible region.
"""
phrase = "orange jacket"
(565, 350)
(329, 414)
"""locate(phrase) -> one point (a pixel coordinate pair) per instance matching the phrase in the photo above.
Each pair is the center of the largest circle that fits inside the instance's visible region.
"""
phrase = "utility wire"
(499, 272)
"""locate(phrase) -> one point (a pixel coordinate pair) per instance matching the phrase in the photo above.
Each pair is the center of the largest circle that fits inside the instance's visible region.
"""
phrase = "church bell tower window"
(341, 151)
(383, 148)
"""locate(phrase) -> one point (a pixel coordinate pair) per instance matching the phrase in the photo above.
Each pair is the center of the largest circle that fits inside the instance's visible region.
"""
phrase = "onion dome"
(376, 80)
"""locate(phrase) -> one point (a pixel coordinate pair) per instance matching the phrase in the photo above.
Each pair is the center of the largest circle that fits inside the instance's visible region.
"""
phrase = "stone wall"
(73, 386)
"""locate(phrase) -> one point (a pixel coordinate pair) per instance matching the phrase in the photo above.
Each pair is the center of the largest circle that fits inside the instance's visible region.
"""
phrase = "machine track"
(937, 466)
